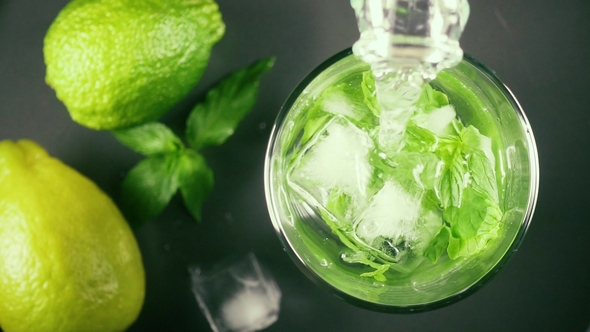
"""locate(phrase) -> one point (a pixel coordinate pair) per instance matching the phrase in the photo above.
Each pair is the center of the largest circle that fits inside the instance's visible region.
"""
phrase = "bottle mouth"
(406, 34)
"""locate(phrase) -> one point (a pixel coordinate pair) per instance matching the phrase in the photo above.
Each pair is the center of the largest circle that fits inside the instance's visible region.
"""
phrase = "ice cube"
(336, 102)
(348, 101)
(436, 120)
(399, 223)
(392, 214)
(241, 296)
(248, 310)
(338, 159)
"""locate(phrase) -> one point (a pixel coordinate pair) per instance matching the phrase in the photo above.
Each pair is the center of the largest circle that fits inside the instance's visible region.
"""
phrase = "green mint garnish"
(215, 120)
(196, 181)
(149, 139)
(369, 93)
(169, 165)
(378, 274)
(150, 185)
(438, 245)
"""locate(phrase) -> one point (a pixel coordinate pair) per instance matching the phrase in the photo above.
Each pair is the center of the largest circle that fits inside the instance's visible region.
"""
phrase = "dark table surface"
(539, 48)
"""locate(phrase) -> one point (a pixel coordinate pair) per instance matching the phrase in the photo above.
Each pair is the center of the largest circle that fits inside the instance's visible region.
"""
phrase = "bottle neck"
(410, 35)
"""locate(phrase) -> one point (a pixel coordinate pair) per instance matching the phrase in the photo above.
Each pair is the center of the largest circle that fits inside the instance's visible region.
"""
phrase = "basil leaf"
(150, 185)
(214, 121)
(196, 182)
(149, 139)
(438, 245)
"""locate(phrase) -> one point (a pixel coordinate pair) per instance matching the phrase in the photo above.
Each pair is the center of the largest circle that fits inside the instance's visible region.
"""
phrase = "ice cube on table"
(336, 159)
(241, 296)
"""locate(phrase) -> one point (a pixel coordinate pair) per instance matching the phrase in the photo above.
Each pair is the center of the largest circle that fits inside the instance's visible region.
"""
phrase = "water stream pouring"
(407, 43)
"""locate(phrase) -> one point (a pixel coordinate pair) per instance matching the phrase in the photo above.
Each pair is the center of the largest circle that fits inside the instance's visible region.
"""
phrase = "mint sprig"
(150, 139)
(214, 121)
(170, 165)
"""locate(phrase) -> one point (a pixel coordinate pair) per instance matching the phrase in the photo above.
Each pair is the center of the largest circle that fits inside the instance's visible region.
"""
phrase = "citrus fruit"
(68, 259)
(119, 63)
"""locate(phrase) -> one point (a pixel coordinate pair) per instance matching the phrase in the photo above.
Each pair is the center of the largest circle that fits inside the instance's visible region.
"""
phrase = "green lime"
(69, 260)
(119, 63)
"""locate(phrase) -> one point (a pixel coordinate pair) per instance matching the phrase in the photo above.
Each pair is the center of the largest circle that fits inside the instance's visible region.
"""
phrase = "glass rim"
(414, 308)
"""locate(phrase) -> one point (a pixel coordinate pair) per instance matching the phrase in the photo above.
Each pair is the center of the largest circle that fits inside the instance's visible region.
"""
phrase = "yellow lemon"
(119, 63)
(68, 259)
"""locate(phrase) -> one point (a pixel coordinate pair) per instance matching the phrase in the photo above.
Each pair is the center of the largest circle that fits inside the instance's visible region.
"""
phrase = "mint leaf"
(459, 247)
(369, 93)
(449, 148)
(440, 98)
(378, 274)
(336, 229)
(418, 139)
(488, 231)
(480, 161)
(196, 182)
(214, 121)
(431, 99)
(466, 219)
(438, 245)
(452, 183)
(338, 204)
(476, 209)
(150, 185)
(474, 141)
(420, 168)
(149, 139)
(347, 101)
(315, 121)
(360, 257)
(482, 174)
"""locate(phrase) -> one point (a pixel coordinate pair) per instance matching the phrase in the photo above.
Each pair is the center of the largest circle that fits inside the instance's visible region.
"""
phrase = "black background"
(539, 48)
